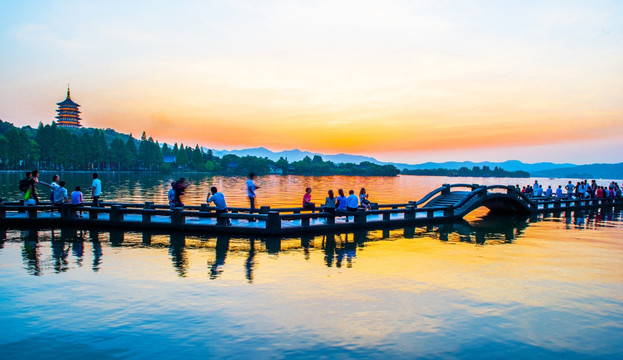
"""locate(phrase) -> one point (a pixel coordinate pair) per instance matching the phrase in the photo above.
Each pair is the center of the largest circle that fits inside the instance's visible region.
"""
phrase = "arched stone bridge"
(499, 199)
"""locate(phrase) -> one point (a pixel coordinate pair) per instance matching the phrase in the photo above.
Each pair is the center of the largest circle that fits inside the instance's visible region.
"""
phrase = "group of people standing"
(581, 190)
(58, 191)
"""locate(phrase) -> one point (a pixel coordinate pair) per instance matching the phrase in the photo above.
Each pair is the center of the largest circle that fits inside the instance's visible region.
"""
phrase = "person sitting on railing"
(363, 199)
(352, 202)
(559, 191)
(59, 196)
(76, 198)
(329, 203)
(340, 203)
(307, 203)
(548, 192)
(219, 202)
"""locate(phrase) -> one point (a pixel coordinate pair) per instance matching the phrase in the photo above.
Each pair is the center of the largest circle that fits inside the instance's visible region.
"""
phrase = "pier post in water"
(93, 214)
(177, 217)
(360, 216)
(449, 211)
(115, 213)
(273, 221)
(147, 214)
(67, 212)
(32, 212)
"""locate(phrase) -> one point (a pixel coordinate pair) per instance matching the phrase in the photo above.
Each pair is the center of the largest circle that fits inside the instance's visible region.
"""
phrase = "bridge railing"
(444, 189)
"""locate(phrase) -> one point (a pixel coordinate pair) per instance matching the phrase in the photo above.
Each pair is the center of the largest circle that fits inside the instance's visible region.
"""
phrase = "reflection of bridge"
(338, 249)
(448, 203)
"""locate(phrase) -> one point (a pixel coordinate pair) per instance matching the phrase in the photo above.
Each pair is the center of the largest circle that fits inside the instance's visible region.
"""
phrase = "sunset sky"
(408, 81)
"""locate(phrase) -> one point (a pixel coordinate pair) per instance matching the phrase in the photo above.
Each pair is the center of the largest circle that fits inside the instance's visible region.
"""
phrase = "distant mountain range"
(541, 169)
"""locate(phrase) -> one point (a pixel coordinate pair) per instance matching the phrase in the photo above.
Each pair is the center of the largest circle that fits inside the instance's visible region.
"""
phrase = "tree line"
(475, 171)
(51, 147)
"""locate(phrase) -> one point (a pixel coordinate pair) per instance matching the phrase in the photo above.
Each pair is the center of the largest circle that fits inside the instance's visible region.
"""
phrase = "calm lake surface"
(542, 287)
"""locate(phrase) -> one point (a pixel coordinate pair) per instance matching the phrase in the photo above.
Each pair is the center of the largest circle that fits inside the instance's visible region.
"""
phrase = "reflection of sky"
(553, 291)
(401, 80)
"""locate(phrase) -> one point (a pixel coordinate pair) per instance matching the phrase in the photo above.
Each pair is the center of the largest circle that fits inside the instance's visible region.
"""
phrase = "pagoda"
(68, 113)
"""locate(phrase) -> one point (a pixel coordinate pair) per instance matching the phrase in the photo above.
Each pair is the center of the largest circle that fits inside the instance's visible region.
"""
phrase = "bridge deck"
(439, 206)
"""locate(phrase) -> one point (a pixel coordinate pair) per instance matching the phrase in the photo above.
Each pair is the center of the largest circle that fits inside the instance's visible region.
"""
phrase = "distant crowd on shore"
(581, 190)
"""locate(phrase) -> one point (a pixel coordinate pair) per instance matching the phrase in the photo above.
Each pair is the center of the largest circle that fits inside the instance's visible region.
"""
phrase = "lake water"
(542, 287)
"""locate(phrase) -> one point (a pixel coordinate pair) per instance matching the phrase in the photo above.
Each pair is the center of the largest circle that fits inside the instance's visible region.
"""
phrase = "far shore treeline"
(50, 147)
(475, 171)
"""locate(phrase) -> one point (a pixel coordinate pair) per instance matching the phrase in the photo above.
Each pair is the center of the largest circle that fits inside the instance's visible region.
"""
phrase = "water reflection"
(97, 250)
(30, 252)
(67, 246)
(250, 262)
(178, 254)
(221, 249)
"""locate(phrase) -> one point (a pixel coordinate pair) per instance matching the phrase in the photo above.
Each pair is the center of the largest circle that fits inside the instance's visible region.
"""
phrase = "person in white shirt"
(251, 187)
(352, 201)
(219, 202)
(60, 194)
(96, 190)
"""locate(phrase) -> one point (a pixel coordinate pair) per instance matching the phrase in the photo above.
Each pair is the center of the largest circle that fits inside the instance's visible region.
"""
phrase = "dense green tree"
(197, 159)
(181, 159)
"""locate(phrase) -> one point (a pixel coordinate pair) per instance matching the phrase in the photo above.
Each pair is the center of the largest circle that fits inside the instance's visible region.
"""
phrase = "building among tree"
(68, 113)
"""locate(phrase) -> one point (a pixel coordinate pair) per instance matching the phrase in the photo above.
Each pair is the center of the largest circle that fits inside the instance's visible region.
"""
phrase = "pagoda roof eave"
(67, 102)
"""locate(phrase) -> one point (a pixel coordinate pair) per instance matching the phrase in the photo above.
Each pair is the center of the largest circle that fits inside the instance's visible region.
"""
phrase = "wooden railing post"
(204, 208)
(410, 214)
(115, 213)
(360, 216)
(221, 220)
(93, 214)
(305, 221)
(178, 217)
(449, 211)
(331, 219)
(386, 216)
(32, 212)
(273, 221)
(147, 214)
(148, 205)
(264, 209)
(446, 189)
(67, 212)
(430, 214)
(413, 203)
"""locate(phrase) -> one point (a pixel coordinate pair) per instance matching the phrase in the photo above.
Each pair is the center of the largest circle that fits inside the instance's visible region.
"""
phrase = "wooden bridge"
(449, 203)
